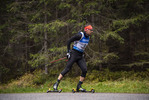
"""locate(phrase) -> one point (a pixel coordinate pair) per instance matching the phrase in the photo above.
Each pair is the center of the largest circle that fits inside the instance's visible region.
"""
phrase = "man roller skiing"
(80, 40)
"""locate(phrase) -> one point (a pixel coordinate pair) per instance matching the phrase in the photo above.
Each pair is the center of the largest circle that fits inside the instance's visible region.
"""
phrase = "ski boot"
(55, 86)
(80, 89)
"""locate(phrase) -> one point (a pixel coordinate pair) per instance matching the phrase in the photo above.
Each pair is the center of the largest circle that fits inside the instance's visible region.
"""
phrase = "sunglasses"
(91, 30)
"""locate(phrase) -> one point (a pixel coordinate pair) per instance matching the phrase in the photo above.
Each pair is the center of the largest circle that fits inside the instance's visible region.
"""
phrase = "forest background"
(35, 32)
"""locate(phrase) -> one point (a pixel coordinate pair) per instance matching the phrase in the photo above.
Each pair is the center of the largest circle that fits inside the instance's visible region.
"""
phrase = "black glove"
(68, 55)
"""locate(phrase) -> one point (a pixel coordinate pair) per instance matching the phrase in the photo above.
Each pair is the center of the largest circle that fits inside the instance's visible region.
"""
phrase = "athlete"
(80, 40)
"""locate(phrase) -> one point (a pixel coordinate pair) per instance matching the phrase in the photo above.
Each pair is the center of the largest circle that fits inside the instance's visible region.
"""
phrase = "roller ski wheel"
(91, 91)
(59, 91)
(73, 90)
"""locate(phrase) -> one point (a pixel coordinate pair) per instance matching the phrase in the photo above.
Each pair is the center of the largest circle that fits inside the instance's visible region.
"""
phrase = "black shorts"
(77, 57)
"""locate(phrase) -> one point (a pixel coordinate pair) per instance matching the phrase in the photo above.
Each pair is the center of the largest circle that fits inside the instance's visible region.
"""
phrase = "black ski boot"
(79, 88)
(55, 86)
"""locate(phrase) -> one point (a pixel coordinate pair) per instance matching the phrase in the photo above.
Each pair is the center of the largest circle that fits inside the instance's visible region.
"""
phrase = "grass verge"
(123, 86)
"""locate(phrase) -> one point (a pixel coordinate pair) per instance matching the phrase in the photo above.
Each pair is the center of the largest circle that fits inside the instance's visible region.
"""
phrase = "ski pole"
(58, 60)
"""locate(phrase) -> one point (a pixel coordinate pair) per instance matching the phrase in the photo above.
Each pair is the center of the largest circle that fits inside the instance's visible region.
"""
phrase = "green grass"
(123, 86)
(103, 81)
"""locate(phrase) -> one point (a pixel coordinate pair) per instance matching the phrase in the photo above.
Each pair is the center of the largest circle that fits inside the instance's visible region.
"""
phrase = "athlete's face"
(89, 32)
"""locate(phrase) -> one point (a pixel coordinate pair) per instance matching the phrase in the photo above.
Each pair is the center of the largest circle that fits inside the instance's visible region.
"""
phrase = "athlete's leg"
(70, 62)
(82, 64)
(60, 76)
(82, 78)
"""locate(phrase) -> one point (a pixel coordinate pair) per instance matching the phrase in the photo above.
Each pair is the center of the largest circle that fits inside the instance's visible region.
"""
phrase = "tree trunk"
(45, 39)
(100, 54)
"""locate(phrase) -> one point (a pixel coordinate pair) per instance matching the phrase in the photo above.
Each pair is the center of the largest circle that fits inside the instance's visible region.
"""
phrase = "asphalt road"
(74, 96)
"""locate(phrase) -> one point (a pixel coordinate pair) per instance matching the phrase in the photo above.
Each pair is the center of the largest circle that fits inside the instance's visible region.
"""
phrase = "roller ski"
(55, 86)
(80, 89)
(59, 91)
(83, 90)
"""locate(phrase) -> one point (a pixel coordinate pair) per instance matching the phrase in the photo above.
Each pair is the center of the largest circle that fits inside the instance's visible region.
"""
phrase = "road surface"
(74, 96)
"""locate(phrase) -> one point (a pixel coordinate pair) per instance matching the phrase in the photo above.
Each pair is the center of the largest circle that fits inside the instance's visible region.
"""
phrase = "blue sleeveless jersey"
(81, 44)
